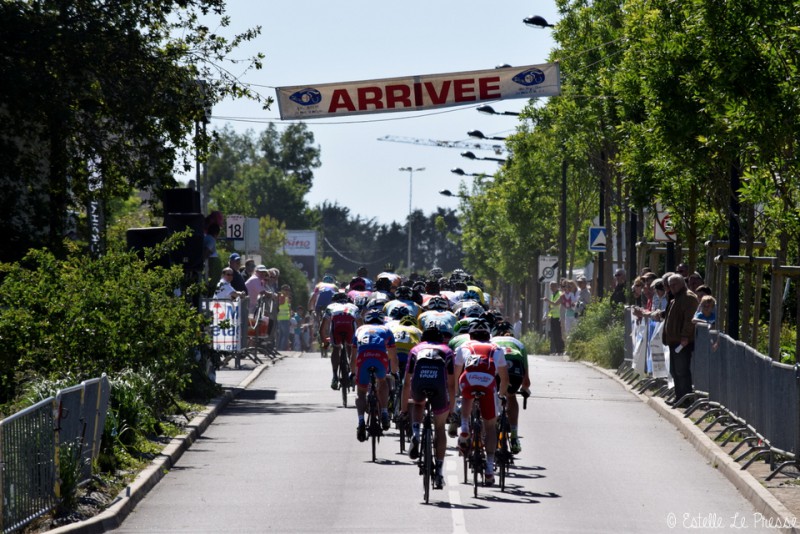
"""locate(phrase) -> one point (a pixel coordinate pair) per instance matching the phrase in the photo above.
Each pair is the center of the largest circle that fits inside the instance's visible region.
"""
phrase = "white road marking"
(459, 522)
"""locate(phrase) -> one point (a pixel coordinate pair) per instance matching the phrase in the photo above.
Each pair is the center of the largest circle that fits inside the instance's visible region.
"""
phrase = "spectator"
(694, 281)
(570, 304)
(225, 289)
(678, 335)
(702, 291)
(682, 270)
(284, 317)
(706, 312)
(308, 324)
(618, 296)
(518, 327)
(638, 292)
(249, 268)
(553, 315)
(235, 262)
(256, 285)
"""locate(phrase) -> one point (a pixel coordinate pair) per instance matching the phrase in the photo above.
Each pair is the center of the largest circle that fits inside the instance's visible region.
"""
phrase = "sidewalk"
(778, 500)
(233, 382)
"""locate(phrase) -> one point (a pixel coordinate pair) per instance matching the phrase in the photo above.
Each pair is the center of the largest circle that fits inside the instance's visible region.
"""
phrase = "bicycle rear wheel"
(427, 462)
(401, 426)
(344, 378)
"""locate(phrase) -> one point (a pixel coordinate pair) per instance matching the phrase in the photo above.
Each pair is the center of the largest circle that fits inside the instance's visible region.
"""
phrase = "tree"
(99, 98)
(268, 175)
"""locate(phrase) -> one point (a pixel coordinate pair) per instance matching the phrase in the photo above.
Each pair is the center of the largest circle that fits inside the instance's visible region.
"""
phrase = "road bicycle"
(503, 456)
(374, 429)
(426, 463)
(344, 370)
(475, 457)
(401, 423)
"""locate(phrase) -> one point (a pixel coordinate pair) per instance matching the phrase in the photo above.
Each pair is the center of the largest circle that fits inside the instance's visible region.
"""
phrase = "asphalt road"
(283, 457)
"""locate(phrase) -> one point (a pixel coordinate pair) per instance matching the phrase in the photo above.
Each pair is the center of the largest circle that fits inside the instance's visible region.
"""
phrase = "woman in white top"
(570, 302)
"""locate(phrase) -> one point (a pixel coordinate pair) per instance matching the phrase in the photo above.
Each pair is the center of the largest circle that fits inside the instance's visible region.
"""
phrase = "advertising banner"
(301, 246)
(417, 93)
(227, 331)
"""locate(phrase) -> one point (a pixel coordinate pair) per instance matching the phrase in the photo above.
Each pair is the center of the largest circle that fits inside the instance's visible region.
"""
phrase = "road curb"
(146, 480)
(760, 497)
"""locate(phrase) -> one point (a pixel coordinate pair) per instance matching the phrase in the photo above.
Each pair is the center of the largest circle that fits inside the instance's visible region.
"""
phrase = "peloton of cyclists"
(430, 374)
(375, 347)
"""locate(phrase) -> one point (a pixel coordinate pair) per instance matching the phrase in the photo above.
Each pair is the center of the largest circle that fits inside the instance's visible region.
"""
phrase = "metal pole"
(410, 181)
(562, 257)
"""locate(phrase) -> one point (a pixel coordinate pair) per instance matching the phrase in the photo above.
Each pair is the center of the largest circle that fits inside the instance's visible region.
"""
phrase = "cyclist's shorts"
(367, 359)
(488, 402)
(516, 372)
(431, 379)
(342, 329)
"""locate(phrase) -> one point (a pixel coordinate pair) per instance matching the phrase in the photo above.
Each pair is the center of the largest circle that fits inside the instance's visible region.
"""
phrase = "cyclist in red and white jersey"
(339, 322)
(477, 363)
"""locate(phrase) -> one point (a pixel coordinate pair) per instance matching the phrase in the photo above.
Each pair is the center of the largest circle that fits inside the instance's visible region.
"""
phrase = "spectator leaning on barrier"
(225, 289)
(678, 335)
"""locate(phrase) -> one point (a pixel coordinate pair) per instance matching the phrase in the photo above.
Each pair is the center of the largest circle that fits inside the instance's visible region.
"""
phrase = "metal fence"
(30, 444)
(757, 398)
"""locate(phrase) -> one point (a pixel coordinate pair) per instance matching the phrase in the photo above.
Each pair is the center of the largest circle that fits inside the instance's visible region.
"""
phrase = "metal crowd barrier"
(30, 446)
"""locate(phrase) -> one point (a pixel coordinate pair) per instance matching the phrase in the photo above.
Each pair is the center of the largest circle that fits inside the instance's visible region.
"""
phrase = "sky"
(319, 41)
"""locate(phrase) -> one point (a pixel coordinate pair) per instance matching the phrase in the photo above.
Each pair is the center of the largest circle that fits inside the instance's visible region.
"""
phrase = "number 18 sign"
(234, 227)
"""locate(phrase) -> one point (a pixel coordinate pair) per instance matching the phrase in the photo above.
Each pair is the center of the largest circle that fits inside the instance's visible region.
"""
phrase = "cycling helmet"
(502, 327)
(462, 326)
(329, 279)
(435, 273)
(398, 312)
(383, 284)
(404, 293)
(479, 326)
(341, 297)
(389, 267)
(470, 311)
(432, 334)
(374, 317)
(437, 303)
(358, 284)
(471, 295)
(409, 320)
(362, 271)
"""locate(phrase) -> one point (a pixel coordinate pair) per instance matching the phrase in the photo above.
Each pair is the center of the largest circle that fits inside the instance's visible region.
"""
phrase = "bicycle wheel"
(344, 378)
(427, 462)
(401, 426)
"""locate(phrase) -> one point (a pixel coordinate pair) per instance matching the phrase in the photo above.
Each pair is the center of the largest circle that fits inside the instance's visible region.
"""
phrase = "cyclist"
(363, 273)
(375, 346)
(518, 378)
(438, 311)
(430, 369)
(403, 299)
(339, 321)
(477, 363)
(358, 292)
(468, 304)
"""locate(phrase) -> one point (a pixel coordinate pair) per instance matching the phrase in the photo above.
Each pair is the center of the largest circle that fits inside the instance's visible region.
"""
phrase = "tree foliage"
(99, 98)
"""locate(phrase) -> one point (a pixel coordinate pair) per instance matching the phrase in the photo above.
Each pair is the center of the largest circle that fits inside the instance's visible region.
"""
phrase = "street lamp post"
(489, 110)
(471, 155)
(410, 171)
(448, 193)
(477, 134)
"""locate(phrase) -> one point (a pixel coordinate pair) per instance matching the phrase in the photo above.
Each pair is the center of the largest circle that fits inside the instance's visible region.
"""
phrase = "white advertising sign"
(300, 243)
(415, 93)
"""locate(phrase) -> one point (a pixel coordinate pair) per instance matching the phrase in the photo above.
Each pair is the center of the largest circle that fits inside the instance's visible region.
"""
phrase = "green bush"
(536, 343)
(81, 317)
(599, 336)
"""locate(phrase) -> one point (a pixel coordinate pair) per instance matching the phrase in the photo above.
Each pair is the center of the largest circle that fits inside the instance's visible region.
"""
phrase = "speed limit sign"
(234, 227)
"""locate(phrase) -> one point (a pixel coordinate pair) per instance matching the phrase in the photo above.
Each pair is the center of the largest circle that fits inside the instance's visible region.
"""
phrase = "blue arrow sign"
(597, 238)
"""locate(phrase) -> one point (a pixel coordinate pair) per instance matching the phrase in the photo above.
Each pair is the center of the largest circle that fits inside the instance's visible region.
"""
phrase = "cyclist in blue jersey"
(375, 347)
